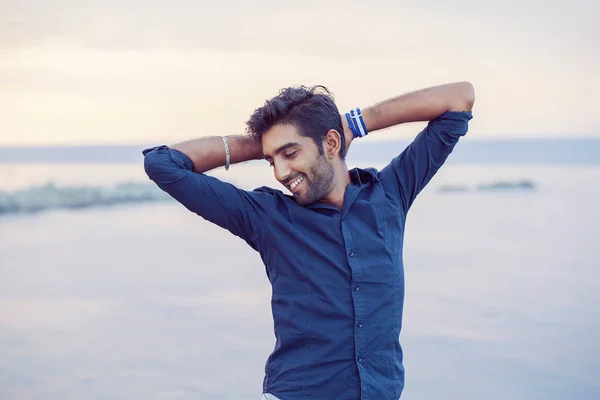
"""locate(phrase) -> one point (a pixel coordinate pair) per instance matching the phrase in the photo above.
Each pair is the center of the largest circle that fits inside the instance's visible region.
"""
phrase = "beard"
(319, 182)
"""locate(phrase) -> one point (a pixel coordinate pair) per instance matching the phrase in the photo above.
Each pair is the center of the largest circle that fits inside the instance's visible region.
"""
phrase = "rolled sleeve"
(164, 165)
(408, 173)
(241, 212)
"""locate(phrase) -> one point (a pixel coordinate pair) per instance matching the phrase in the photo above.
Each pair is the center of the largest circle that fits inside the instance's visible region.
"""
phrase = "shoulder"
(269, 190)
(274, 194)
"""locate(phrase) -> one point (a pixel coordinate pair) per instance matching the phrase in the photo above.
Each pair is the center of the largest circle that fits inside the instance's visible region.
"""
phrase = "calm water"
(152, 302)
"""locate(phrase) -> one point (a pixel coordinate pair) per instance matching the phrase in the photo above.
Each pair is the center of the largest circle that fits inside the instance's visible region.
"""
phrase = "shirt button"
(359, 325)
(357, 288)
(359, 359)
(351, 254)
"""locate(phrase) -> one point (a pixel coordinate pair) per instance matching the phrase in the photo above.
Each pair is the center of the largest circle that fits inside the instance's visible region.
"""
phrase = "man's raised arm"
(447, 108)
(179, 171)
(209, 152)
(421, 105)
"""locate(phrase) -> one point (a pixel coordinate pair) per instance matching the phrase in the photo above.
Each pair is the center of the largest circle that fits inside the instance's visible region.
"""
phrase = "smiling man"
(333, 249)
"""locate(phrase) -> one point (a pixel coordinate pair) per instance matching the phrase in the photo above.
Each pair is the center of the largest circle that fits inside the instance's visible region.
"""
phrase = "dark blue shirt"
(337, 275)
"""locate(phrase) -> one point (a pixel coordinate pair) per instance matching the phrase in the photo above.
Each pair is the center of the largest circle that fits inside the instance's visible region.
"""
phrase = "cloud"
(327, 27)
(125, 71)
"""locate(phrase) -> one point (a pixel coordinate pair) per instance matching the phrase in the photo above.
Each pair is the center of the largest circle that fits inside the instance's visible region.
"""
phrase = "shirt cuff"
(165, 153)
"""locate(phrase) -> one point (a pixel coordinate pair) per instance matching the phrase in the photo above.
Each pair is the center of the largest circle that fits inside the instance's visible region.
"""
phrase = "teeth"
(296, 182)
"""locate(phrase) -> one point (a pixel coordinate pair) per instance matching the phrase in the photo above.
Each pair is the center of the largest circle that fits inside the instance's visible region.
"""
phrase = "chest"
(330, 247)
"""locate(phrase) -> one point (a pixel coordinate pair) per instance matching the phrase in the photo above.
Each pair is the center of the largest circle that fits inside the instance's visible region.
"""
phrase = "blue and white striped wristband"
(356, 123)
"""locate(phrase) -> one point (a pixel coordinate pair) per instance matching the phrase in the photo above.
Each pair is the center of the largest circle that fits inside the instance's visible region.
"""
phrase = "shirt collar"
(362, 176)
(358, 178)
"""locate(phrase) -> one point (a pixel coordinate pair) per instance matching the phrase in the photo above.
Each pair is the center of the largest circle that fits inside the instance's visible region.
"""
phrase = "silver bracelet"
(227, 157)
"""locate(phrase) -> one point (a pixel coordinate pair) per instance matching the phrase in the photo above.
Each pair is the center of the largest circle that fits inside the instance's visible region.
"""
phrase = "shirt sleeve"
(241, 212)
(409, 172)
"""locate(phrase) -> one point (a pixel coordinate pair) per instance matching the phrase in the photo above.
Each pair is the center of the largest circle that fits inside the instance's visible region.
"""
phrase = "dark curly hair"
(310, 109)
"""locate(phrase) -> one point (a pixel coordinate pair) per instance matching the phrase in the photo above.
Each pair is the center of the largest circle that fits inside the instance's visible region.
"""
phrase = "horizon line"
(399, 140)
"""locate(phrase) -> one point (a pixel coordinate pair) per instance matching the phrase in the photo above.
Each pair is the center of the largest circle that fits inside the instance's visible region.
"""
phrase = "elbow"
(164, 167)
(150, 156)
(470, 95)
(159, 166)
(464, 97)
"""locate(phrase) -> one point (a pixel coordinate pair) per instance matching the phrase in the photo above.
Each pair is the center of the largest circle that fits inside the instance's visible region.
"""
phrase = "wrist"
(355, 123)
(254, 147)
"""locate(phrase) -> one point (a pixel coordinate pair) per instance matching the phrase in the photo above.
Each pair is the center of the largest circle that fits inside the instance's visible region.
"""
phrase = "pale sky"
(83, 72)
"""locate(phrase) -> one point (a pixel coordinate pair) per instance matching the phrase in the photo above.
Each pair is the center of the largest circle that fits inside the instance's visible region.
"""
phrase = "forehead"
(280, 135)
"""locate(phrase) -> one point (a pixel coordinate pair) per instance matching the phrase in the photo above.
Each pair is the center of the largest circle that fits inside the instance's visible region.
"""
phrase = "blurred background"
(109, 289)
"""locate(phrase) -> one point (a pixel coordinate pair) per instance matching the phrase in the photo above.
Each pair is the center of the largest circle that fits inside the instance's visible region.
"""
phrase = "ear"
(332, 144)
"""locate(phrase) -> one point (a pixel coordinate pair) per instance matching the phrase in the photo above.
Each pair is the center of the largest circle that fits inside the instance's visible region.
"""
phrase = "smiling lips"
(295, 183)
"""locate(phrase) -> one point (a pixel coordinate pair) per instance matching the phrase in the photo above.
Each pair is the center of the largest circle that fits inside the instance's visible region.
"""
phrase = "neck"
(341, 180)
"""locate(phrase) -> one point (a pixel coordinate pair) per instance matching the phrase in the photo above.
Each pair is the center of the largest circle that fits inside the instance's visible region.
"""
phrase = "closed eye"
(291, 155)
(287, 156)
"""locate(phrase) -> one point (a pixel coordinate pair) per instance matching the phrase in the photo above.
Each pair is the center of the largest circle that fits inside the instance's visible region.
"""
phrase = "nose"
(281, 170)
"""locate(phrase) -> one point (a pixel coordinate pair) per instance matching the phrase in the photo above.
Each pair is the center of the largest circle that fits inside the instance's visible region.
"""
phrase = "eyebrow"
(282, 148)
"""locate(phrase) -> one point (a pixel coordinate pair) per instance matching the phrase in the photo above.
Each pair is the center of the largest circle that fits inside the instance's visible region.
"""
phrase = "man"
(332, 249)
